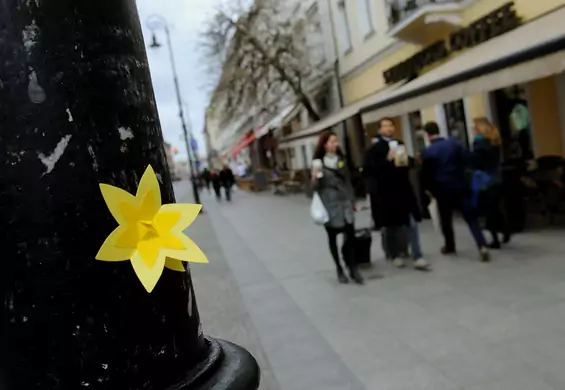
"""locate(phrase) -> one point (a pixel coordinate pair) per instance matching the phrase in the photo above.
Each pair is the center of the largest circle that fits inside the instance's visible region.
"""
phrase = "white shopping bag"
(318, 210)
(434, 214)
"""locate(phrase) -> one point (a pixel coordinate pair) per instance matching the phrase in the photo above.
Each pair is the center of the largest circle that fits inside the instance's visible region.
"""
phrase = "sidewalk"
(464, 326)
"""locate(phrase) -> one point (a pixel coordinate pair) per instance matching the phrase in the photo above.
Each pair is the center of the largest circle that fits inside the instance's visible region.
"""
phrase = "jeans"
(394, 240)
(414, 238)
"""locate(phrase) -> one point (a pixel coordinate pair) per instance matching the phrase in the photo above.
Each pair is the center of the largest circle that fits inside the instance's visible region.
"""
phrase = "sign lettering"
(488, 27)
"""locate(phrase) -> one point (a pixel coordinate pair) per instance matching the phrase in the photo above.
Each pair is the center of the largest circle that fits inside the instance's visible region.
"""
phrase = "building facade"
(450, 61)
(253, 138)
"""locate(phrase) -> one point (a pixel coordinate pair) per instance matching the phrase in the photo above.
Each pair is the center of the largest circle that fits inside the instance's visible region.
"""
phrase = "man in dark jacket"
(394, 205)
(227, 179)
(444, 176)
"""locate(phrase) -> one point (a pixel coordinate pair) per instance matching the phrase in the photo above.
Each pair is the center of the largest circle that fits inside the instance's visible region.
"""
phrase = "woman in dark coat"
(331, 180)
(394, 205)
(487, 182)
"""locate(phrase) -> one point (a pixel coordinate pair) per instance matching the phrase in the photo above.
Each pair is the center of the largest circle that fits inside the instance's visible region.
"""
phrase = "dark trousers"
(348, 248)
(218, 192)
(227, 189)
(394, 242)
(492, 208)
(449, 201)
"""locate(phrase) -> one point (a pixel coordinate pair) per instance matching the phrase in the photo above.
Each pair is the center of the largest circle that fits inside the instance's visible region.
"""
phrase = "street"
(270, 287)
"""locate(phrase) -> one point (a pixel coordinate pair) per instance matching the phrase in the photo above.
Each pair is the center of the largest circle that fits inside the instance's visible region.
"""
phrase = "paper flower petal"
(149, 183)
(115, 198)
(188, 213)
(174, 265)
(149, 249)
(149, 206)
(148, 276)
(164, 221)
(110, 251)
(192, 253)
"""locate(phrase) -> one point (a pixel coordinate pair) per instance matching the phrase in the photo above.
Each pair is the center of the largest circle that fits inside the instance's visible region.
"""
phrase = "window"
(418, 136)
(456, 121)
(305, 163)
(343, 34)
(365, 16)
(323, 100)
(314, 36)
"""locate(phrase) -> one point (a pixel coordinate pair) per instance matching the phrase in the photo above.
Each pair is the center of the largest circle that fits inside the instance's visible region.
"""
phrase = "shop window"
(417, 132)
(456, 121)
(514, 119)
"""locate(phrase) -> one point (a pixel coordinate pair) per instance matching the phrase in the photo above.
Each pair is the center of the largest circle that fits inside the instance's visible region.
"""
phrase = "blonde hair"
(487, 130)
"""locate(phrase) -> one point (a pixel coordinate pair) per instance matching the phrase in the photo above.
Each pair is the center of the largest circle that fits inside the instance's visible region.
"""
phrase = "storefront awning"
(247, 141)
(532, 51)
(342, 115)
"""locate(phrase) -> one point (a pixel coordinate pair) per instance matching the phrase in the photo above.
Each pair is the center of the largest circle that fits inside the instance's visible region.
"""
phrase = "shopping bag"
(318, 210)
(434, 214)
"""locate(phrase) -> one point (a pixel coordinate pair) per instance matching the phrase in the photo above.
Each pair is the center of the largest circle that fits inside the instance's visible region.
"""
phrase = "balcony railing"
(399, 10)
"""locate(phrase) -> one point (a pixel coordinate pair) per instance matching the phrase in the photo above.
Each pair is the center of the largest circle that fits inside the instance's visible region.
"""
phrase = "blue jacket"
(444, 166)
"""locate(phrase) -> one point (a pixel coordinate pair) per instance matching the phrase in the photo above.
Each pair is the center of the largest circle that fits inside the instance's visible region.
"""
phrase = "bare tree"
(262, 56)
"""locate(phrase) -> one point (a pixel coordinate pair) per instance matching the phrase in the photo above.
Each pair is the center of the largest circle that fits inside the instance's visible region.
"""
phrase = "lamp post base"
(226, 367)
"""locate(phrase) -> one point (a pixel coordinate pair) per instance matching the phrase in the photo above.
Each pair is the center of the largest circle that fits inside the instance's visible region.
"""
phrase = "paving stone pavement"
(464, 326)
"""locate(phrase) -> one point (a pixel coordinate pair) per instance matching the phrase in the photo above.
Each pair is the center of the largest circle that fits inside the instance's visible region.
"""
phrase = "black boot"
(506, 237)
(495, 244)
(355, 275)
(341, 276)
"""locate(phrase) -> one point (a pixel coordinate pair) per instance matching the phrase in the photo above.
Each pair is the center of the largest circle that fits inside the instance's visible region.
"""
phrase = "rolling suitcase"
(363, 242)
(363, 237)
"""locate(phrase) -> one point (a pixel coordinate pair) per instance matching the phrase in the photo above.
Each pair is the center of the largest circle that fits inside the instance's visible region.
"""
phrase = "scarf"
(331, 161)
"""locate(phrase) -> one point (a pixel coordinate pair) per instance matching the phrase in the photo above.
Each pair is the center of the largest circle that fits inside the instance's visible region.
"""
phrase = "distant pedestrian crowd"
(453, 179)
(218, 180)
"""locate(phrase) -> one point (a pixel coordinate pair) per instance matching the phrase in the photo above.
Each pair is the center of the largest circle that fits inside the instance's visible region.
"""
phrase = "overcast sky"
(186, 18)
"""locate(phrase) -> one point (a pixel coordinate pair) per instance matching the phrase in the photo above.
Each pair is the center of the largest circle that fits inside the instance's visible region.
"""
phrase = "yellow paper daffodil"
(149, 234)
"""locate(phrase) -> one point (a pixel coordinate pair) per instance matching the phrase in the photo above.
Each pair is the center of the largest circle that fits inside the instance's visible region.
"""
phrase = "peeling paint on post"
(51, 160)
(125, 133)
(68, 321)
(35, 92)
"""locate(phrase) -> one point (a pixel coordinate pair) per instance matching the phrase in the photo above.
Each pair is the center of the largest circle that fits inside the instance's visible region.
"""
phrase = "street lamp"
(157, 22)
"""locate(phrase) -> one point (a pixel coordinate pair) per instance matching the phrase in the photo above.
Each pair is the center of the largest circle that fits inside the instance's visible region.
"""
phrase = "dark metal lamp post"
(157, 22)
(77, 109)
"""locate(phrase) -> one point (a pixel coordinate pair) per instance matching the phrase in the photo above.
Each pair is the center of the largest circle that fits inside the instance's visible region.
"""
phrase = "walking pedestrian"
(216, 184)
(227, 179)
(206, 178)
(331, 180)
(394, 204)
(444, 175)
(487, 180)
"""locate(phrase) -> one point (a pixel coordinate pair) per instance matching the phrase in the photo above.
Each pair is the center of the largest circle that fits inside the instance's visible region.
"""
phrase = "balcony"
(424, 21)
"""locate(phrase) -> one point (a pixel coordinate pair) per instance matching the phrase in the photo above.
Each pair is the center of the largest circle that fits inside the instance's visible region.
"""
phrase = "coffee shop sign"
(496, 23)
